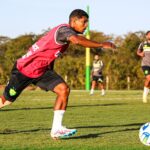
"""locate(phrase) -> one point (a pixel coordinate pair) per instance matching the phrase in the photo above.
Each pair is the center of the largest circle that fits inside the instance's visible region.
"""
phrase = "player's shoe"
(63, 133)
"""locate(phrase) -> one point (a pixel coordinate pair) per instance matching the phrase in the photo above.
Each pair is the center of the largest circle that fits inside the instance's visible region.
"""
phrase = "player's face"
(96, 57)
(80, 24)
(148, 36)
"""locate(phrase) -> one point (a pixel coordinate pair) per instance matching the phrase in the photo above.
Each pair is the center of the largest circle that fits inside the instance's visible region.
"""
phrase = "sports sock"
(103, 92)
(57, 120)
(146, 91)
(92, 91)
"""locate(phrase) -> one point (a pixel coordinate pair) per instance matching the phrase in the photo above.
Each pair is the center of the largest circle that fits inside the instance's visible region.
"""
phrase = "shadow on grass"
(103, 126)
(130, 128)
(102, 133)
(10, 131)
(47, 108)
(95, 105)
(26, 108)
(107, 132)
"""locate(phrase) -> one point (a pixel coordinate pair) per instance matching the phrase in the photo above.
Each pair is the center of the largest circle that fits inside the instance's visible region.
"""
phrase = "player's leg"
(52, 81)
(146, 88)
(102, 88)
(101, 85)
(62, 91)
(58, 130)
(14, 87)
(146, 71)
(93, 86)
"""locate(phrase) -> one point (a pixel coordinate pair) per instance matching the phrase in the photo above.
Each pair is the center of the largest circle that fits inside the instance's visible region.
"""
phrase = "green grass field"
(110, 122)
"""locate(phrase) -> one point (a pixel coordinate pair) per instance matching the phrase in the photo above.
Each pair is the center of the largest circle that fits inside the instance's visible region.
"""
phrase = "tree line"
(119, 64)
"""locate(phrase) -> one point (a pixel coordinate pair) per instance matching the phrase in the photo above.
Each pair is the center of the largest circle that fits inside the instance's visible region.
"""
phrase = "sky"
(117, 17)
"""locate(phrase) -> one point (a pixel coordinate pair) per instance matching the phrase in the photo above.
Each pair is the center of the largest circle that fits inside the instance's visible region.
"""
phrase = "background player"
(144, 52)
(96, 75)
(36, 67)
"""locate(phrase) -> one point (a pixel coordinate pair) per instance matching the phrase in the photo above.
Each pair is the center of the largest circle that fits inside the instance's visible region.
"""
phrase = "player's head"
(96, 57)
(78, 20)
(148, 35)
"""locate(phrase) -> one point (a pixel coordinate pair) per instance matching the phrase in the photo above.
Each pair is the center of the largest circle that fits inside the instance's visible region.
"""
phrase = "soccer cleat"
(63, 133)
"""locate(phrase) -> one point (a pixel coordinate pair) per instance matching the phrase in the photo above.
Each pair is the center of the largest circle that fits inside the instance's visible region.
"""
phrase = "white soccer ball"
(144, 134)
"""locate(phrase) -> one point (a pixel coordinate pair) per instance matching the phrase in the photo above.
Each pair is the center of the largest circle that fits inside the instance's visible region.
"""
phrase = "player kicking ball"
(36, 67)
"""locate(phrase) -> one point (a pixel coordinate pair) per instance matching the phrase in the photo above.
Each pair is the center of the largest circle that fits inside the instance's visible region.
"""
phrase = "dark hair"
(79, 13)
(96, 54)
(147, 32)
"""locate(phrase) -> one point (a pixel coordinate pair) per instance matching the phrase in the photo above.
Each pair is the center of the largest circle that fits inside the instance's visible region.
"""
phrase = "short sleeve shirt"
(97, 68)
(145, 47)
(64, 33)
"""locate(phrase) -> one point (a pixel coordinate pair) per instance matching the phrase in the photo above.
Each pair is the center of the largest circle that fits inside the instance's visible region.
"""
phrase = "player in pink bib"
(42, 54)
(36, 67)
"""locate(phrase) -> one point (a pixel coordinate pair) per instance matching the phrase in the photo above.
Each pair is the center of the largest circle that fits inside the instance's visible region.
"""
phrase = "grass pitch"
(109, 122)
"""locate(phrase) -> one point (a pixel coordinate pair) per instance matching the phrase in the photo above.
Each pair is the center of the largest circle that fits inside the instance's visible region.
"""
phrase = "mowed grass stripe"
(110, 122)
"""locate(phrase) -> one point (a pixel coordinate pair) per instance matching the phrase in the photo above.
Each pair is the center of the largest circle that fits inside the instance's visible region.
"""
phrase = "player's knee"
(64, 90)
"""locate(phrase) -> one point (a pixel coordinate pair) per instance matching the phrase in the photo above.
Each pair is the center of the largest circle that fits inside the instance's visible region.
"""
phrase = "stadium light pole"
(87, 86)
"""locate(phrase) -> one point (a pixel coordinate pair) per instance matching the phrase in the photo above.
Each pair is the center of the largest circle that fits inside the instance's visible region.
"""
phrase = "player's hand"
(109, 45)
(141, 54)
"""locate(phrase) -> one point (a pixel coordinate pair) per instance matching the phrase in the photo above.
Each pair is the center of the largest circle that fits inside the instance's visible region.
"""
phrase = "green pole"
(87, 86)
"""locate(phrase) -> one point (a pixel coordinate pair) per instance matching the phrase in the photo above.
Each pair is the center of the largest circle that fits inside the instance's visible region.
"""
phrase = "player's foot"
(63, 133)
(103, 93)
(91, 92)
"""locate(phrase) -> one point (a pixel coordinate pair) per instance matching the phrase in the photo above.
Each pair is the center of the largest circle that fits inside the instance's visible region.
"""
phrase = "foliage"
(119, 64)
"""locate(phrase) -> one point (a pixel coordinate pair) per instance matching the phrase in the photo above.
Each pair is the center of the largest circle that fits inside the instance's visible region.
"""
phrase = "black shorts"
(98, 78)
(18, 82)
(146, 70)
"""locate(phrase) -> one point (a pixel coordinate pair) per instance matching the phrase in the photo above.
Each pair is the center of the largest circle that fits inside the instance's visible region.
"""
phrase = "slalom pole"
(87, 85)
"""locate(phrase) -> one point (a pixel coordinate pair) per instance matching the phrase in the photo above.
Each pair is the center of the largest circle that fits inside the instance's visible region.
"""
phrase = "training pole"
(87, 86)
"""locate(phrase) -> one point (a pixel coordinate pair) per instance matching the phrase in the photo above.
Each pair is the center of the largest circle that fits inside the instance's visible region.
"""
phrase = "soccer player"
(97, 76)
(36, 67)
(144, 52)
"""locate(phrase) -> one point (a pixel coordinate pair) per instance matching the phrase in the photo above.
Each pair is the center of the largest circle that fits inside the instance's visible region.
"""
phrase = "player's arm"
(80, 40)
(140, 51)
(102, 65)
